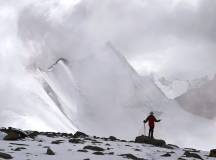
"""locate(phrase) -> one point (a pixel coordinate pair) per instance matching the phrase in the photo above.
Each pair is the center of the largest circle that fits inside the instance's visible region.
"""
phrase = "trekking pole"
(144, 130)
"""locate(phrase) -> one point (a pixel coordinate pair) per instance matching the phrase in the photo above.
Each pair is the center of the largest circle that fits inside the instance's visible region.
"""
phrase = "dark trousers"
(151, 132)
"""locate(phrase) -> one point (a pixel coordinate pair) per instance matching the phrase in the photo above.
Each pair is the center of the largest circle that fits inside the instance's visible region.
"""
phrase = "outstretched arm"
(158, 120)
(146, 120)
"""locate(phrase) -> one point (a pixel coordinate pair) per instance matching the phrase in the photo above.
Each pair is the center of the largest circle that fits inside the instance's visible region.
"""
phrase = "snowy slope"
(200, 100)
(107, 149)
(111, 97)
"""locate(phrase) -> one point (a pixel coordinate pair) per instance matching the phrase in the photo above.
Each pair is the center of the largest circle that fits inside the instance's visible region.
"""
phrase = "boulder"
(82, 150)
(76, 141)
(5, 156)
(79, 134)
(147, 140)
(98, 153)
(94, 148)
(212, 153)
(13, 134)
(112, 138)
(192, 155)
(57, 142)
(19, 149)
(166, 155)
(50, 152)
(130, 156)
(33, 134)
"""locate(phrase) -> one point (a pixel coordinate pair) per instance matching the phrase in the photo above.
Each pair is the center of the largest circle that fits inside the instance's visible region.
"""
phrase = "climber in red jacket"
(151, 119)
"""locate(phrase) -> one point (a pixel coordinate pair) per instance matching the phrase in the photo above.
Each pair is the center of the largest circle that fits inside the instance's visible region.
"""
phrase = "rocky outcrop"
(131, 156)
(76, 141)
(50, 151)
(79, 134)
(212, 153)
(93, 148)
(192, 155)
(5, 156)
(147, 140)
(13, 134)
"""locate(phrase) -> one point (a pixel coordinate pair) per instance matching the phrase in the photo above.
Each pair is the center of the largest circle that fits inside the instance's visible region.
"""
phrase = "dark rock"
(19, 149)
(123, 140)
(50, 152)
(13, 134)
(45, 146)
(18, 144)
(76, 141)
(105, 139)
(87, 139)
(130, 156)
(191, 150)
(173, 146)
(82, 150)
(137, 150)
(95, 142)
(33, 134)
(5, 155)
(79, 134)
(57, 142)
(166, 155)
(95, 137)
(212, 153)
(98, 153)
(192, 155)
(94, 148)
(147, 140)
(112, 138)
(168, 147)
(128, 145)
(12, 137)
(50, 134)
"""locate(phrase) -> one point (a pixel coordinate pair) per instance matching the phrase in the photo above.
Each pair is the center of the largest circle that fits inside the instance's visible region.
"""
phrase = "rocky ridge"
(32, 145)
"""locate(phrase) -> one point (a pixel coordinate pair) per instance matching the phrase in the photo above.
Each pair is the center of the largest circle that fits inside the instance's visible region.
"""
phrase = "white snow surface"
(36, 150)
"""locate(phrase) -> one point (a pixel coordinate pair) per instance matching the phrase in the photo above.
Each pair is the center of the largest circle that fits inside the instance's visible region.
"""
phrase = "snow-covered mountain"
(200, 100)
(77, 79)
(177, 87)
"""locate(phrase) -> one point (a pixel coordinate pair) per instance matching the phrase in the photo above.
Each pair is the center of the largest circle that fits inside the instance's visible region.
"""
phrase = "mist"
(106, 47)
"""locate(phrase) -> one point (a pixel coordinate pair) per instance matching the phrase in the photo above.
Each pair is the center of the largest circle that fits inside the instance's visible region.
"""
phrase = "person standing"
(151, 121)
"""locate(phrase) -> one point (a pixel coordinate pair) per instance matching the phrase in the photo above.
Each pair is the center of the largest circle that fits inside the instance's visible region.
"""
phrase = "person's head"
(151, 113)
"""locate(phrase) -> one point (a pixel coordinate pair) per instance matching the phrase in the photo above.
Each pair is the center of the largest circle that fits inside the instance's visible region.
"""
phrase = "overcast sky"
(174, 38)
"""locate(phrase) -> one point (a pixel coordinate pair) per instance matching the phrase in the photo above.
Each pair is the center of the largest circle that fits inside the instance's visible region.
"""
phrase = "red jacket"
(151, 119)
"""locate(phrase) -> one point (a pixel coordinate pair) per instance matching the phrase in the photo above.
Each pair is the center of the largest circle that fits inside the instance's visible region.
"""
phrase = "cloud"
(174, 36)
